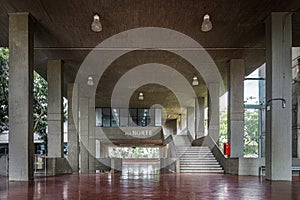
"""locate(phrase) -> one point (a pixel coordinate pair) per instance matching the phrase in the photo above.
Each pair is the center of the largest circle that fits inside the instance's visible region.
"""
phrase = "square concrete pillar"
(214, 111)
(199, 110)
(236, 108)
(92, 140)
(84, 134)
(21, 148)
(55, 108)
(296, 136)
(278, 97)
(191, 121)
(73, 126)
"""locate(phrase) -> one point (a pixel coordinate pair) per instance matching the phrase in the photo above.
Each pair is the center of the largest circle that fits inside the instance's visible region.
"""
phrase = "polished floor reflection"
(138, 170)
(129, 185)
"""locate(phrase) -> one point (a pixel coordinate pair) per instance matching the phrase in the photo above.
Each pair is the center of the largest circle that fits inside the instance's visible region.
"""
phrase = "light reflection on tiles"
(143, 182)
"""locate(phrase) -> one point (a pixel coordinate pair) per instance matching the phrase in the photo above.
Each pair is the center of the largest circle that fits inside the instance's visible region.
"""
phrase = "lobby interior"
(153, 74)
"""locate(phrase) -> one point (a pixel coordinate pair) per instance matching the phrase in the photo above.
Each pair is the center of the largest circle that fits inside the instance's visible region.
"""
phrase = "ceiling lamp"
(96, 25)
(90, 81)
(141, 96)
(195, 81)
(206, 24)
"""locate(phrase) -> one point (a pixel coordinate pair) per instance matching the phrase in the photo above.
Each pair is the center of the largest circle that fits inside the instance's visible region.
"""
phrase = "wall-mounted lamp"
(90, 81)
(96, 25)
(206, 24)
(195, 81)
(141, 96)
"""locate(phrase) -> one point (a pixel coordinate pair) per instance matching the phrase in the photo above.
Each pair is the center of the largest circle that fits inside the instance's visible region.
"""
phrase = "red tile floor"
(149, 184)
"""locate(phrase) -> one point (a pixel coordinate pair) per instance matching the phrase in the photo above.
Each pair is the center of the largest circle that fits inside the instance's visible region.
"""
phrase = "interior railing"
(170, 161)
(230, 165)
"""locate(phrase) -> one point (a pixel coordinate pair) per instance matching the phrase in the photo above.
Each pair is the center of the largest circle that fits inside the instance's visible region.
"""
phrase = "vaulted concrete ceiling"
(62, 31)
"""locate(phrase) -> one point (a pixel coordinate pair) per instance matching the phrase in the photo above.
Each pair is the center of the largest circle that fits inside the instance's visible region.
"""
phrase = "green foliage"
(223, 127)
(251, 133)
(134, 152)
(40, 104)
(40, 100)
(3, 89)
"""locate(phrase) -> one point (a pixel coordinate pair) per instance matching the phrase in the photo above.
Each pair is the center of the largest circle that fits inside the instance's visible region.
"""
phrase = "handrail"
(230, 165)
(190, 136)
(215, 149)
(171, 150)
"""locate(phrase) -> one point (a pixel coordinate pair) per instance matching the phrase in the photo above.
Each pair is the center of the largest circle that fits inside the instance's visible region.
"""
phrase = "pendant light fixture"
(195, 81)
(90, 81)
(206, 24)
(141, 96)
(96, 25)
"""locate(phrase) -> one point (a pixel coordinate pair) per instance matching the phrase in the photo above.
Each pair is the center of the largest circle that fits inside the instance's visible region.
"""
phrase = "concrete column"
(103, 150)
(92, 141)
(279, 98)
(214, 111)
(55, 108)
(191, 121)
(199, 110)
(84, 134)
(262, 119)
(296, 136)
(236, 108)
(73, 126)
(98, 146)
(21, 148)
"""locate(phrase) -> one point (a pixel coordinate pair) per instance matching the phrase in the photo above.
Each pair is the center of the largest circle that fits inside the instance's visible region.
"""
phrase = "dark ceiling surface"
(62, 31)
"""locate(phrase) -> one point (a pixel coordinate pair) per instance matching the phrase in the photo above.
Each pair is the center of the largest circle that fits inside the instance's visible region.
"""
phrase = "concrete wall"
(230, 165)
(113, 164)
(170, 127)
(56, 166)
(3, 165)
(169, 164)
(250, 166)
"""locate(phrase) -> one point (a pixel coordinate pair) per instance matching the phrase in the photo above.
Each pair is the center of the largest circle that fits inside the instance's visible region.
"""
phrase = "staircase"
(197, 159)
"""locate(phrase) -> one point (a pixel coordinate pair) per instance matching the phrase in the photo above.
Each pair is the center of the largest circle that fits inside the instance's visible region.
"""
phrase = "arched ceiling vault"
(135, 58)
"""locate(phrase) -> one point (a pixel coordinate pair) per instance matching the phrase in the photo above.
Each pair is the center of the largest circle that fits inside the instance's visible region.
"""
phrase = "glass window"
(115, 120)
(133, 118)
(106, 117)
(124, 117)
(98, 116)
(151, 115)
(158, 115)
(114, 117)
(251, 132)
(251, 92)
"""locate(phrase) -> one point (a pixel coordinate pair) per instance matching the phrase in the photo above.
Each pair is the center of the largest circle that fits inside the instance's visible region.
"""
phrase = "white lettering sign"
(139, 133)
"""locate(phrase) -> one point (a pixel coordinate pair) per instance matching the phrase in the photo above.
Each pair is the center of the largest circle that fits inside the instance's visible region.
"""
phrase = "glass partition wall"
(132, 117)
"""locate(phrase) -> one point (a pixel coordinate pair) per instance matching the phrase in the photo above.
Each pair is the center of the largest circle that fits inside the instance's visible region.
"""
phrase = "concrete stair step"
(198, 160)
(202, 171)
(194, 155)
(203, 168)
(199, 163)
(200, 166)
(192, 149)
(192, 152)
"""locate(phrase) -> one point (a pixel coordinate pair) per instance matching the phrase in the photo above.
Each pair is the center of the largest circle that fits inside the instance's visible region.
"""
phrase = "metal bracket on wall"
(283, 102)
